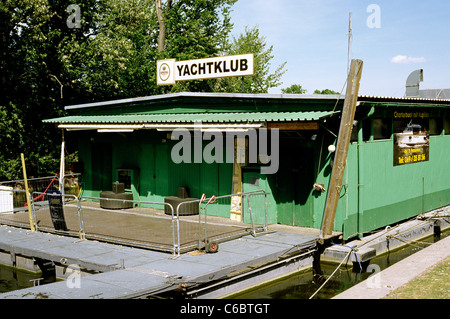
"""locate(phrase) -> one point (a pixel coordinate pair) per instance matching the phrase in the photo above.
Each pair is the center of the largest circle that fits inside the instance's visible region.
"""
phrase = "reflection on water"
(14, 279)
(303, 285)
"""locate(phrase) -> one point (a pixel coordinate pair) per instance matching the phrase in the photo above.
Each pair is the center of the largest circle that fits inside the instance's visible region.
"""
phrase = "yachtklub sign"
(170, 71)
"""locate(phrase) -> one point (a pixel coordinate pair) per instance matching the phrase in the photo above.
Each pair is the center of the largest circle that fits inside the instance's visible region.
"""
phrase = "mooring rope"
(331, 275)
(409, 241)
(357, 257)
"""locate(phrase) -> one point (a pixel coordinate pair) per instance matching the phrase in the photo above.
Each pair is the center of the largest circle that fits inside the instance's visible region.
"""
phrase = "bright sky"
(392, 37)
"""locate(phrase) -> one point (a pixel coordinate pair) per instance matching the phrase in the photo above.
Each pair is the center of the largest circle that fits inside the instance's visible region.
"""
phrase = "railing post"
(200, 221)
(176, 245)
(80, 219)
(265, 212)
(33, 214)
(251, 215)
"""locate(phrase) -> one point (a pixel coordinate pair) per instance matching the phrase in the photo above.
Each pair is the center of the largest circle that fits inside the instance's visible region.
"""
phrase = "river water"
(14, 279)
(304, 285)
(297, 286)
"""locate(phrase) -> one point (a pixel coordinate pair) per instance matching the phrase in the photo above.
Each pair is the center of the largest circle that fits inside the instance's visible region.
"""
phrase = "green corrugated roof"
(219, 117)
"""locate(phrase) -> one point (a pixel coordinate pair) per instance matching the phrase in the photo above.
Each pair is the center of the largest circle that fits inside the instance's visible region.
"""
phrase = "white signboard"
(170, 71)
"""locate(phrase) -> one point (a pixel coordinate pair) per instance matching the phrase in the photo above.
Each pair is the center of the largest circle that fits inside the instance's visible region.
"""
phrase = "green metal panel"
(253, 180)
(200, 102)
(390, 193)
(147, 165)
(294, 181)
(209, 117)
(347, 211)
(162, 171)
(225, 188)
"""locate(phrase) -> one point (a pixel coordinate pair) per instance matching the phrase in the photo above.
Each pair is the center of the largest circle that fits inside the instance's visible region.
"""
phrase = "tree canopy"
(294, 89)
(252, 42)
(326, 91)
(55, 53)
(298, 89)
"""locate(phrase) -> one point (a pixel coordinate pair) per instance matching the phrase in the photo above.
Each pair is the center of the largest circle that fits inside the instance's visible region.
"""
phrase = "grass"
(432, 284)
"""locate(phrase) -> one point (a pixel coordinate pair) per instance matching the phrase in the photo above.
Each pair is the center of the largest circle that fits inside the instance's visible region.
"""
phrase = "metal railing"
(72, 184)
(141, 226)
(143, 214)
(200, 236)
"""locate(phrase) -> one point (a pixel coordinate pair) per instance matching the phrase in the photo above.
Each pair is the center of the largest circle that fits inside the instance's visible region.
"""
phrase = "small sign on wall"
(411, 137)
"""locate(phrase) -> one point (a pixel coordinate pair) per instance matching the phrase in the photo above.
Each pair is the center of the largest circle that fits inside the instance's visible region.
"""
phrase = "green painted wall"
(253, 180)
(395, 193)
(149, 156)
(375, 193)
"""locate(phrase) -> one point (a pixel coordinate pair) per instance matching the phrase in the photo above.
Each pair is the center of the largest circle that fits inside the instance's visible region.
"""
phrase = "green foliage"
(116, 57)
(45, 64)
(294, 89)
(197, 29)
(252, 42)
(297, 89)
(30, 90)
(326, 91)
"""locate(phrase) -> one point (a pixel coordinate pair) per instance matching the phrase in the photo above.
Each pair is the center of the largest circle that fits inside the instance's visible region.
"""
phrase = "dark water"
(304, 285)
(299, 286)
(14, 279)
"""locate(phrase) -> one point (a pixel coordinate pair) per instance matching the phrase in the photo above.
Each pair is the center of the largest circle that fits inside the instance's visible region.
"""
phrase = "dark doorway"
(102, 166)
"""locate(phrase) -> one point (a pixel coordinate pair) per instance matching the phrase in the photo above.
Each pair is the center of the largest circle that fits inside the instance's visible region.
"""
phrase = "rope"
(357, 257)
(340, 94)
(389, 228)
(331, 275)
(42, 195)
(408, 241)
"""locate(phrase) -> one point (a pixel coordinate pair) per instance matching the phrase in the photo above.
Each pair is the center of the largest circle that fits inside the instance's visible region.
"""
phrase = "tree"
(252, 42)
(48, 61)
(294, 89)
(326, 91)
(32, 83)
(193, 29)
(116, 57)
(162, 14)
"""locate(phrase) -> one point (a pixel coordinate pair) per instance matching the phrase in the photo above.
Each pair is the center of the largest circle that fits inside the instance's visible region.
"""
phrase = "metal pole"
(80, 219)
(349, 42)
(200, 221)
(251, 216)
(62, 167)
(265, 211)
(27, 194)
(345, 131)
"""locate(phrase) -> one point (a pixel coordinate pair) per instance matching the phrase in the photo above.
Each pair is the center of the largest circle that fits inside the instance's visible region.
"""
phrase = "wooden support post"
(345, 131)
(27, 193)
